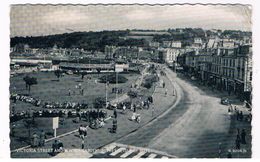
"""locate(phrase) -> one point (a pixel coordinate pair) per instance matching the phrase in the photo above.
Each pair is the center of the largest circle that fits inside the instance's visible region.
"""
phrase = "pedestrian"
(151, 99)
(54, 147)
(80, 131)
(152, 111)
(60, 146)
(35, 141)
(237, 143)
(134, 108)
(243, 136)
(231, 107)
(82, 91)
(124, 108)
(115, 113)
(237, 114)
(229, 110)
(173, 92)
(114, 128)
(241, 116)
(82, 143)
(85, 131)
(148, 104)
(42, 138)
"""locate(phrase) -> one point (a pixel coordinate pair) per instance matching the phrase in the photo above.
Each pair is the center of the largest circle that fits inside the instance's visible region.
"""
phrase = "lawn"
(50, 90)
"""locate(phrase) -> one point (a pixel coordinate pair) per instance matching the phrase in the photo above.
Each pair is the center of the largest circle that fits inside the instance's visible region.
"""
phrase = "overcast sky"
(34, 20)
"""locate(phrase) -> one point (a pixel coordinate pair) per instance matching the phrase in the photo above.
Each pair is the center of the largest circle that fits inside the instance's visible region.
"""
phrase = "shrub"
(99, 102)
(111, 78)
(132, 94)
(149, 80)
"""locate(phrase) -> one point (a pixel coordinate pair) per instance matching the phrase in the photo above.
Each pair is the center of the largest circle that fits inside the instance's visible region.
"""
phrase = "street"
(197, 127)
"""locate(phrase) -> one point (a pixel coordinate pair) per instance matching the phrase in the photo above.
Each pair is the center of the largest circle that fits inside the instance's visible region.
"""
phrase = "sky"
(37, 20)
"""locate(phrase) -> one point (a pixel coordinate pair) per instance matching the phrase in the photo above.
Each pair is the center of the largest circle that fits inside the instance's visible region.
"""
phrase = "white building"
(154, 44)
(176, 44)
(198, 40)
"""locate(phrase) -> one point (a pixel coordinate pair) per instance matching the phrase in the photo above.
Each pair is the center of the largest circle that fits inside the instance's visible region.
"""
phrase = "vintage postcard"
(130, 81)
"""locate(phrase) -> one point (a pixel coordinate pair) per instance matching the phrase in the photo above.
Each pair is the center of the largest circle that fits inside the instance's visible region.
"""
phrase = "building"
(176, 44)
(127, 53)
(109, 51)
(154, 44)
(198, 40)
(167, 44)
(225, 68)
(169, 55)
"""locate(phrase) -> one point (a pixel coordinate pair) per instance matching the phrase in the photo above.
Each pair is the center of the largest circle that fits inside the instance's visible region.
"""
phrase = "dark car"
(225, 101)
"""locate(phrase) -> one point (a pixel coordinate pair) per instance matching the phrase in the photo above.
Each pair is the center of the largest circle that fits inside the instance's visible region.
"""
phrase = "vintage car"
(225, 101)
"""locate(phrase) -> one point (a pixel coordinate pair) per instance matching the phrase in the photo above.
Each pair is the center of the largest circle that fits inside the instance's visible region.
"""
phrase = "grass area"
(51, 90)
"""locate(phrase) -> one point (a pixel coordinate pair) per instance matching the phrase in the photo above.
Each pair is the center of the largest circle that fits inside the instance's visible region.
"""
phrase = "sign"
(55, 122)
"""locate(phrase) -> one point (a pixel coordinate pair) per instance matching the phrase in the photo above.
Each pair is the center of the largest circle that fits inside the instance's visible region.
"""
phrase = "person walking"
(166, 92)
(80, 131)
(134, 108)
(114, 128)
(152, 111)
(42, 138)
(54, 147)
(243, 136)
(238, 141)
(237, 144)
(35, 141)
(124, 108)
(69, 92)
(83, 143)
(237, 114)
(115, 113)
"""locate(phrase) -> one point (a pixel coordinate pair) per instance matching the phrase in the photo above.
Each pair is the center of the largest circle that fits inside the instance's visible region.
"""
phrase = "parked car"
(225, 101)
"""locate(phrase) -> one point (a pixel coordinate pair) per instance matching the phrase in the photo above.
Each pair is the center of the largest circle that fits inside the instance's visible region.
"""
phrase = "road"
(196, 127)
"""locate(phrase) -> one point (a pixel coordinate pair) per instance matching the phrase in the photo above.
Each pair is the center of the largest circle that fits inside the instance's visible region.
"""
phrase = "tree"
(58, 74)
(99, 103)
(28, 123)
(29, 81)
(113, 79)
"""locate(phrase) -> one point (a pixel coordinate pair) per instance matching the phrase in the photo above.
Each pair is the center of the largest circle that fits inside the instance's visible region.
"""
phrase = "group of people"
(79, 88)
(24, 98)
(57, 147)
(117, 90)
(239, 114)
(65, 105)
(241, 138)
(38, 139)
